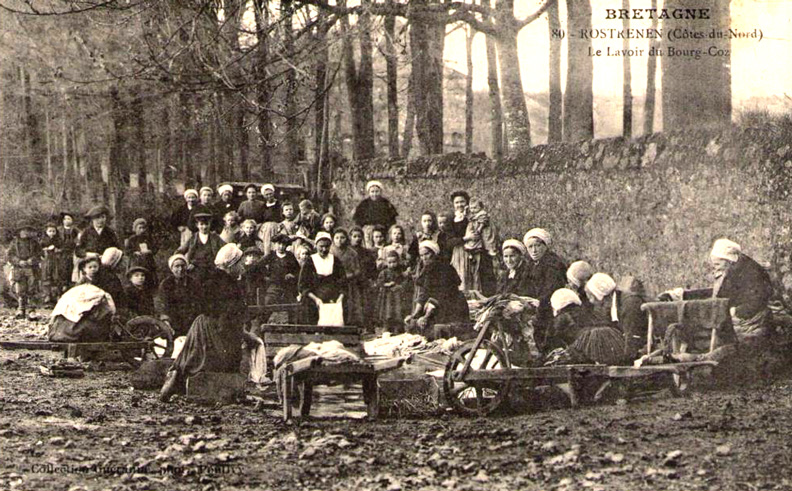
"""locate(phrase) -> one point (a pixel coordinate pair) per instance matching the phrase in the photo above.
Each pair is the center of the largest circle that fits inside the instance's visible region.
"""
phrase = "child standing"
(398, 243)
(309, 221)
(282, 271)
(23, 254)
(140, 248)
(289, 226)
(377, 243)
(68, 234)
(230, 227)
(51, 263)
(392, 298)
(247, 238)
(139, 295)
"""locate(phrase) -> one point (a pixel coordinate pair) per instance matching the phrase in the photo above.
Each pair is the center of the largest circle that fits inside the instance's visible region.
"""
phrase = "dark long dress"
(51, 275)
(375, 212)
(368, 279)
(251, 210)
(543, 277)
(137, 257)
(326, 287)
(181, 300)
(69, 241)
(201, 255)
(440, 282)
(214, 342)
(280, 289)
(393, 302)
(748, 287)
(92, 241)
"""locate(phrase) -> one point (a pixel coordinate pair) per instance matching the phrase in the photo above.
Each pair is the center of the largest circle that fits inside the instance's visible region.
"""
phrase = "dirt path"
(96, 433)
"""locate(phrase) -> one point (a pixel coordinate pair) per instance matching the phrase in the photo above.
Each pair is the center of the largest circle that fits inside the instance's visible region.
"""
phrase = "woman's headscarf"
(191, 191)
(600, 285)
(323, 236)
(228, 256)
(562, 298)
(373, 183)
(726, 249)
(579, 273)
(225, 187)
(516, 244)
(431, 245)
(266, 187)
(111, 256)
(176, 257)
(538, 233)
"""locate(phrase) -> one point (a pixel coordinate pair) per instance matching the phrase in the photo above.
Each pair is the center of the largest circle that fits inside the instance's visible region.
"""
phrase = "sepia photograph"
(395, 245)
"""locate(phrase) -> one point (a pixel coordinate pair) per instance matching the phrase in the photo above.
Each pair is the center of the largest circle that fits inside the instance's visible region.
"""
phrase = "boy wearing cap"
(141, 249)
(23, 254)
(139, 295)
(51, 262)
(97, 236)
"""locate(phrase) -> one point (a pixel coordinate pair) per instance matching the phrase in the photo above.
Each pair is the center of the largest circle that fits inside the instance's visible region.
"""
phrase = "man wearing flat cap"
(98, 236)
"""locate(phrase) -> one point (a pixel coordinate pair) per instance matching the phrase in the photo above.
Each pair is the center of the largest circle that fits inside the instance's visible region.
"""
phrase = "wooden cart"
(478, 375)
(297, 379)
(142, 338)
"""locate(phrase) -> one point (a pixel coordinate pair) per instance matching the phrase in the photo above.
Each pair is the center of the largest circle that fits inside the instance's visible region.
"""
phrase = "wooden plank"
(286, 339)
(302, 328)
(389, 364)
(643, 371)
(561, 373)
(32, 345)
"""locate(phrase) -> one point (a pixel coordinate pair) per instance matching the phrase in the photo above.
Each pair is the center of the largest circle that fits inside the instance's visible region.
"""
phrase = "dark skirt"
(209, 347)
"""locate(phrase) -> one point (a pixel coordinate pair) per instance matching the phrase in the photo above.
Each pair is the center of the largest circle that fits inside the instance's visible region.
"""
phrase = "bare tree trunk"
(293, 140)
(409, 119)
(427, 41)
(496, 111)
(469, 35)
(627, 102)
(697, 92)
(366, 83)
(515, 114)
(139, 130)
(32, 132)
(579, 96)
(50, 173)
(391, 60)
(68, 176)
(555, 99)
(321, 96)
(118, 167)
(263, 90)
(651, 77)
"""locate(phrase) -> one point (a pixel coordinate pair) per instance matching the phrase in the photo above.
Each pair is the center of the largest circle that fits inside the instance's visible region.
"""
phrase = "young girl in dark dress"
(141, 249)
(247, 238)
(456, 234)
(393, 301)
(51, 263)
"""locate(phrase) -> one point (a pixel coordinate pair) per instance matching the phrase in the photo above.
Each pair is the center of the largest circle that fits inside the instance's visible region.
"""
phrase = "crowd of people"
(267, 251)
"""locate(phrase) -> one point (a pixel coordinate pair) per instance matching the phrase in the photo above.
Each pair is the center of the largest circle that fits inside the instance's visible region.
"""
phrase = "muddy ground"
(97, 433)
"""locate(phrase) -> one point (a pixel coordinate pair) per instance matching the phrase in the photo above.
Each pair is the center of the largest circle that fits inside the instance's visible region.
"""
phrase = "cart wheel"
(680, 382)
(484, 397)
(147, 328)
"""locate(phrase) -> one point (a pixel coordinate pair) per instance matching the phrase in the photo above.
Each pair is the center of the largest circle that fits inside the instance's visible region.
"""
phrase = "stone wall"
(649, 207)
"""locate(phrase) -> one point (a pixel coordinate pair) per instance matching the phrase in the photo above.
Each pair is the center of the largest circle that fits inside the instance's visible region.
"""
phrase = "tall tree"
(470, 33)
(579, 95)
(651, 77)
(427, 42)
(391, 67)
(697, 92)
(555, 96)
(627, 102)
